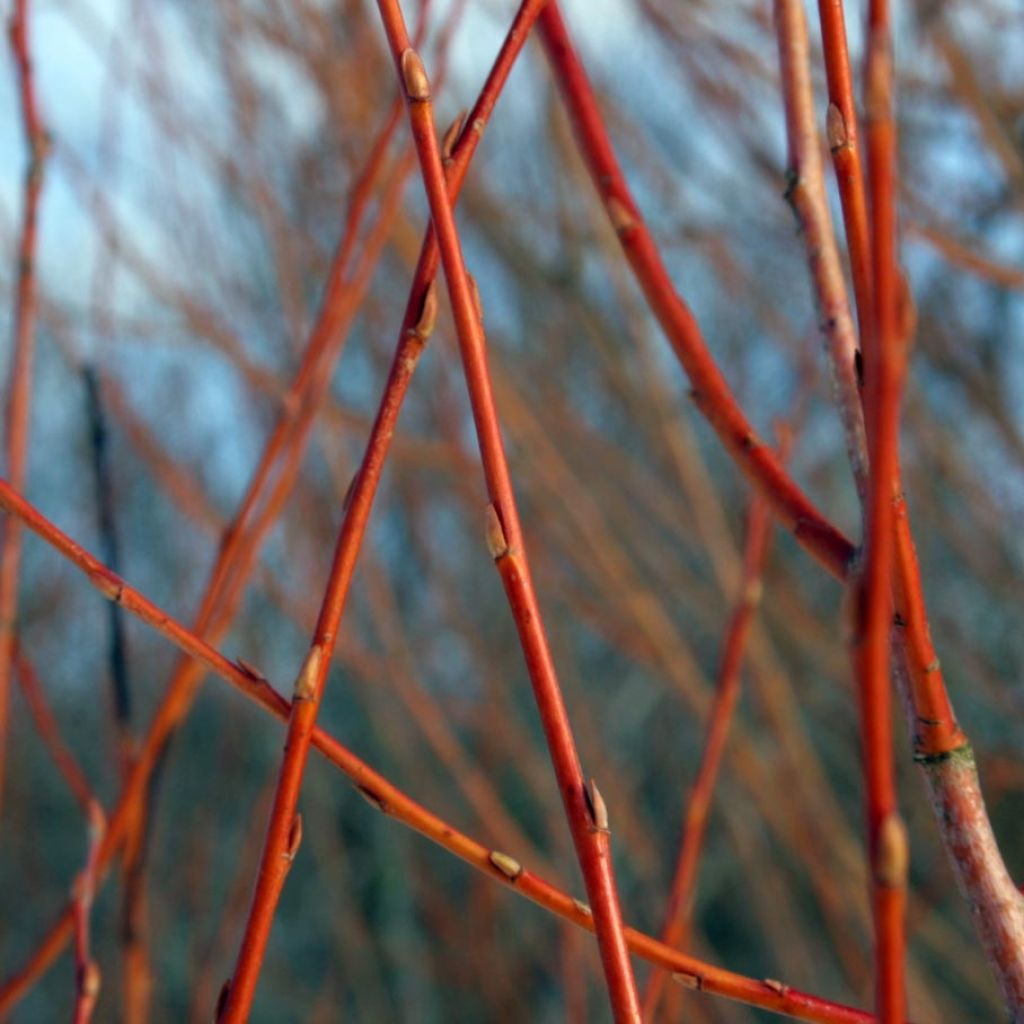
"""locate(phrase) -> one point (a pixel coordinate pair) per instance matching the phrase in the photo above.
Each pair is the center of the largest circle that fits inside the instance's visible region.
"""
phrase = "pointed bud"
(294, 838)
(451, 137)
(309, 675)
(892, 854)
(414, 76)
(508, 866)
(596, 807)
(428, 313)
(497, 543)
(474, 294)
(618, 213)
(835, 128)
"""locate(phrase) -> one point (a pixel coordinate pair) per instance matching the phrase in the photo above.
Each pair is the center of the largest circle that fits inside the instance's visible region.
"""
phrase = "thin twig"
(19, 388)
(678, 908)
(87, 971)
(940, 746)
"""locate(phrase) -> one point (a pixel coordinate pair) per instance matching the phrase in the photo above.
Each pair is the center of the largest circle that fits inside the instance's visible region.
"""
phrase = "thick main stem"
(886, 835)
(586, 822)
(884, 382)
(941, 749)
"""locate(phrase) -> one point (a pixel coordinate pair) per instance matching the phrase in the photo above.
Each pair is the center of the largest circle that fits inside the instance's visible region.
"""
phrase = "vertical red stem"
(679, 906)
(886, 834)
(19, 392)
(586, 820)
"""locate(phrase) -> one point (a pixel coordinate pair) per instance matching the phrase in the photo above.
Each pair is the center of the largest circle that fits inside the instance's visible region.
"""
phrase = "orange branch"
(678, 910)
(87, 971)
(584, 807)
(887, 841)
(19, 393)
(710, 391)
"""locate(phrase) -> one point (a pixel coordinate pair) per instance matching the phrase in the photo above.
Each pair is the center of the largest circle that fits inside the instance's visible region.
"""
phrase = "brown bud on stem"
(508, 866)
(414, 77)
(452, 135)
(622, 220)
(376, 802)
(892, 854)
(90, 981)
(691, 981)
(474, 294)
(596, 807)
(497, 543)
(294, 838)
(428, 313)
(306, 683)
(835, 129)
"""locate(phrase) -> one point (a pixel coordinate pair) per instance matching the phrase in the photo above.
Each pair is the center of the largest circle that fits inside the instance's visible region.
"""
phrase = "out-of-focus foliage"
(197, 187)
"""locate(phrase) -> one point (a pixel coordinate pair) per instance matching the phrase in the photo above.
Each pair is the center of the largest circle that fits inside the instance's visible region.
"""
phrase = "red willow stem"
(281, 841)
(322, 351)
(390, 800)
(584, 807)
(887, 842)
(872, 648)
(936, 731)
(710, 391)
(844, 144)
(19, 393)
(806, 195)
(678, 909)
(940, 747)
(127, 813)
(87, 971)
(241, 540)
